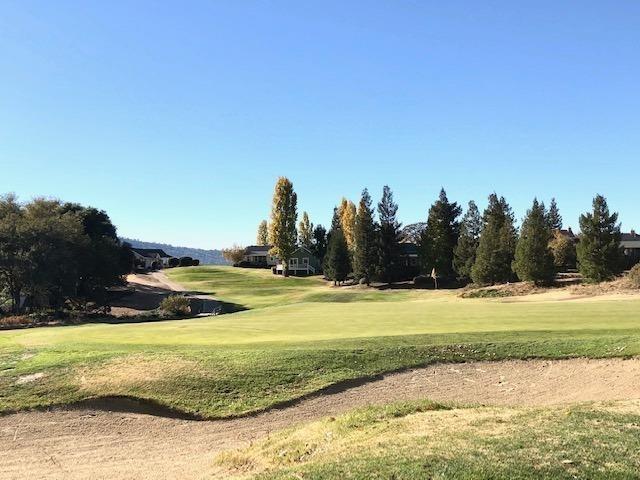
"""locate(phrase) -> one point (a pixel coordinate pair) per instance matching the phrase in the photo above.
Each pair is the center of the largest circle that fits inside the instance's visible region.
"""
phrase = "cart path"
(100, 444)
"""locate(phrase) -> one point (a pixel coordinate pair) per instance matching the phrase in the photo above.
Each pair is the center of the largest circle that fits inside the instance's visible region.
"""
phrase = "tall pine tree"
(497, 244)
(319, 243)
(282, 229)
(534, 259)
(364, 258)
(388, 238)
(599, 253)
(439, 239)
(554, 219)
(464, 255)
(338, 260)
(305, 231)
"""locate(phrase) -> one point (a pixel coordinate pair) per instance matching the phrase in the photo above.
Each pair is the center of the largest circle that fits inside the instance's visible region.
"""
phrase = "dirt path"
(80, 444)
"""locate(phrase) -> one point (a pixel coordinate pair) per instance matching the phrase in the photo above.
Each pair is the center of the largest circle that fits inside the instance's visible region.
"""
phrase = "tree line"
(57, 255)
(485, 249)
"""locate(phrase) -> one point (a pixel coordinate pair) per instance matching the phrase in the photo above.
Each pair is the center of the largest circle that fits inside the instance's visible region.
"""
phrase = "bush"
(176, 305)
(634, 277)
(422, 281)
(186, 261)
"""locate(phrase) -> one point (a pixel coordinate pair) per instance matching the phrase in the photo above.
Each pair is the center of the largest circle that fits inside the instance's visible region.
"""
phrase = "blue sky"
(177, 117)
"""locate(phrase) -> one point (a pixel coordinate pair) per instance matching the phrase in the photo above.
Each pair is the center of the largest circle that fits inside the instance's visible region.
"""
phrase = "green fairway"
(298, 335)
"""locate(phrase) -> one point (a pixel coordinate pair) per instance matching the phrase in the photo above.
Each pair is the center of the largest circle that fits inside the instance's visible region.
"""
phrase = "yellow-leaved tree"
(282, 228)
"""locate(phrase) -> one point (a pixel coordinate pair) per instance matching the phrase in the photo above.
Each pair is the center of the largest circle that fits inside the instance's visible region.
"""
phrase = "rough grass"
(427, 440)
(313, 336)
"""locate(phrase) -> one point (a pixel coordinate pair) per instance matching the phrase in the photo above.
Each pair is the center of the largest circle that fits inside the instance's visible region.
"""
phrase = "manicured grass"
(312, 336)
(426, 440)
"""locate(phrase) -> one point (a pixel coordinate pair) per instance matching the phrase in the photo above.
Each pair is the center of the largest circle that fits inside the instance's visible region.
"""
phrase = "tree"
(364, 257)
(388, 250)
(464, 255)
(496, 249)
(533, 259)
(439, 238)
(282, 229)
(305, 231)
(263, 233)
(553, 216)
(563, 249)
(347, 214)
(319, 243)
(234, 254)
(338, 259)
(599, 254)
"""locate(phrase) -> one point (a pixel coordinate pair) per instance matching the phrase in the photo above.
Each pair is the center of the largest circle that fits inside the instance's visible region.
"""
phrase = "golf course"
(299, 338)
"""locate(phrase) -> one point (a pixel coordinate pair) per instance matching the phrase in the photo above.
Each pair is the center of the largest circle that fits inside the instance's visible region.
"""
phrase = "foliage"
(533, 258)
(496, 249)
(364, 257)
(176, 305)
(319, 242)
(234, 254)
(186, 261)
(633, 278)
(412, 232)
(599, 254)
(388, 250)
(563, 249)
(262, 237)
(282, 229)
(554, 219)
(305, 231)
(338, 259)
(439, 239)
(464, 255)
(347, 214)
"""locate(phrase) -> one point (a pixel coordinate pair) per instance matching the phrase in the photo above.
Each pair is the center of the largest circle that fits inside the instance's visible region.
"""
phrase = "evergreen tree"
(347, 214)
(553, 216)
(305, 231)
(534, 259)
(496, 249)
(364, 258)
(464, 255)
(599, 253)
(338, 259)
(319, 243)
(282, 229)
(388, 237)
(439, 239)
(263, 233)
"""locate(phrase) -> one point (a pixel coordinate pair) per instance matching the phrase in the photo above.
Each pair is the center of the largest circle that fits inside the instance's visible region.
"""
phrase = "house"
(630, 243)
(302, 262)
(408, 254)
(258, 256)
(150, 258)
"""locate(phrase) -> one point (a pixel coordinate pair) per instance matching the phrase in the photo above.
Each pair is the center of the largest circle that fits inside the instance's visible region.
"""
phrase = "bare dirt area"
(96, 443)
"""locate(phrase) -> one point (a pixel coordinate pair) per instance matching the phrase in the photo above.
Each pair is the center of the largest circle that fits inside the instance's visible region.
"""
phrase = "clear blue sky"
(177, 117)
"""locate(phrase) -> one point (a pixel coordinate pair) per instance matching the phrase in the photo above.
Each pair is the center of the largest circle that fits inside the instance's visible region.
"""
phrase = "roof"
(408, 248)
(148, 252)
(567, 233)
(631, 237)
(258, 248)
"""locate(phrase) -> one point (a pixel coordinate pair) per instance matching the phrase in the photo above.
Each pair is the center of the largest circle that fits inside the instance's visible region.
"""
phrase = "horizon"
(177, 121)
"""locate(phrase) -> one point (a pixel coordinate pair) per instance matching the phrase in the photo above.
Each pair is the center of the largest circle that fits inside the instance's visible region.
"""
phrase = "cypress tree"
(534, 259)
(464, 255)
(439, 239)
(282, 229)
(497, 244)
(599, 253)
(554, 219)
(388, 237)
(305, 231)
(338, 260)
(364, 258)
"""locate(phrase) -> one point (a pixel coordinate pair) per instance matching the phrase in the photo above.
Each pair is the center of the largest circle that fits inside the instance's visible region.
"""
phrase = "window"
(293, 263)
(305, 261)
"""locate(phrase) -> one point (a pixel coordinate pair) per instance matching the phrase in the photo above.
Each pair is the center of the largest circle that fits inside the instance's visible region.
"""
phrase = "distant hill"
(206, 257)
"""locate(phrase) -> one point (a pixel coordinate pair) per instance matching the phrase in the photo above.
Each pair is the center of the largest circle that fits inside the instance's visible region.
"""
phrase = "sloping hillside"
(206, 257)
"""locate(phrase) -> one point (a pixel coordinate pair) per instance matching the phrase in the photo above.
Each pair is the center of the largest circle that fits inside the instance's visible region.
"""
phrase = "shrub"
(186, 261)
(634, 277)
(176, 305)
